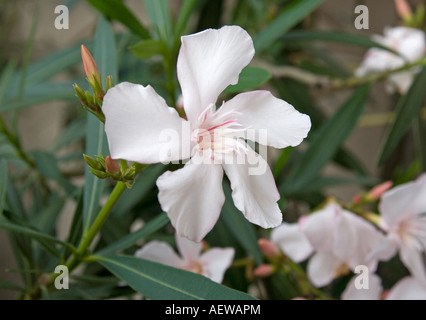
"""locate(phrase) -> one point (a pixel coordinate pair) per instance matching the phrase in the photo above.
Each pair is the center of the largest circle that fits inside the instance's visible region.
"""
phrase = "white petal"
(193, 198)
(210, 61)
(260, 110)
(319, 227)
(413, 260)
(216, 261)
(402, 80)
(409, 42)
(292, 241)
(373, 291)
(408, 288)
(253, 190)
(402, 202)
(139, 125)
(359, 243)
(322, 268)
(188, 249)
(160, 252)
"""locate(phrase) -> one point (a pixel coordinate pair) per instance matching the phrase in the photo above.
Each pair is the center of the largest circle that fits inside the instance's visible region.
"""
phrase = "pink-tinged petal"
(322, 268)
(408, 288)
(403, 202)
(292, 241)
(359, 243)
(253, 189)
(320, 226)
(409, 42)
(401, 81)
(188, 249)
(373, 291)
(140, 126)
(413, 260)
(216, 261)
(193, 198)
(210, 61)
(260, 110)
(160, 252)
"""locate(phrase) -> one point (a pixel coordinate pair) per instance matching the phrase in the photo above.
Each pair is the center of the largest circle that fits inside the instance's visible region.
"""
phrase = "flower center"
(194, 266)
(218, 133)
(413, 231)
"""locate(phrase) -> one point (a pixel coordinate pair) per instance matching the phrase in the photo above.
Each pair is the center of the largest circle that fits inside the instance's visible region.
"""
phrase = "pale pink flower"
(213, 263)
(139, 127)
(403, 212)
(340, 239)
(407, 288)
(408, 42)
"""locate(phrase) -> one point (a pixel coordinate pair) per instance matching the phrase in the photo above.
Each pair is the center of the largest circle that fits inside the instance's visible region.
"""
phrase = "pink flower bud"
(268, 248)
(91, 70)
(378, 190)
(357, 199)
(403, 9)
(111, 165)
(263, 271)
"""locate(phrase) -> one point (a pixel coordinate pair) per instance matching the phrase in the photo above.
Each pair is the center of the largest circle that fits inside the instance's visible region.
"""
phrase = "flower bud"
(111, 166)
(263, 271)
(92, 163)
(109, 83)
(378, 190)
(92, 72)
(268, 248)
(403, 9)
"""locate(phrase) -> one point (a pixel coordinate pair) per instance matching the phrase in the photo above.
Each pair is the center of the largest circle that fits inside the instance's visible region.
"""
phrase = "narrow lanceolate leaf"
(130, 239)
(3, 184)
(326, 141)
(117, 10)
(338, 37)
(290, 16)
(160, 282)
(406, 111)
(96, 142)
(250, 78)
(148, 48)
(160, 18)
(241, 229)
(184, 14)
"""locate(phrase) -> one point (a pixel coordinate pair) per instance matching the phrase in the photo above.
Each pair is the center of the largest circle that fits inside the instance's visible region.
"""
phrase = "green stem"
(88, 237)
(419, 133)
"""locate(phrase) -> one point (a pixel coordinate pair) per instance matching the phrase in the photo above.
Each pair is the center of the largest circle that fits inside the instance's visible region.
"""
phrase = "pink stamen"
(221, 125)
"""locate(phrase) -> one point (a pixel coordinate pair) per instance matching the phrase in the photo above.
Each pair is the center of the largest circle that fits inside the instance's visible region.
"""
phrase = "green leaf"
(96, 142)
(157, 281)
(240, 227)
(48, 166)
(47, 67)
(326, 141)
(148, 48)
(75, 131)
(250, 78)
(117, 10)
(339, 37)
(5, 79)
(39, 236)
(3, 184)
(130, 239)
(10, 286)
(407, 110)
(160, 18)
(184, 14)
(284, 22)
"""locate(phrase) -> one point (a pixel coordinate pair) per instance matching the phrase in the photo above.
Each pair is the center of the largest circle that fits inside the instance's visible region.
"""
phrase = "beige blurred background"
(39, 125)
